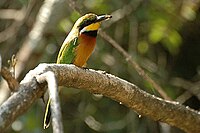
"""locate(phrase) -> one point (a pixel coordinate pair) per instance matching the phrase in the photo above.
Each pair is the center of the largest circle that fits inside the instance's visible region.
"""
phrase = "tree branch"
(50, 78)
(9, 74)
(12, 82)
(100, 82)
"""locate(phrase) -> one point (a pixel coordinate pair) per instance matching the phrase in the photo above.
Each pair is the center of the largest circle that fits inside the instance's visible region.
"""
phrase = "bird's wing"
(67, 52)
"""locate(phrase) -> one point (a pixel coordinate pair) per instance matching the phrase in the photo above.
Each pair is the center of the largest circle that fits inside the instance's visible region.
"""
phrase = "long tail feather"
(47, 116)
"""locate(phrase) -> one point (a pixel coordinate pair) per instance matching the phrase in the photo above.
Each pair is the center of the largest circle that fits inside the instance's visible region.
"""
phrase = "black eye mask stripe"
(92, 33)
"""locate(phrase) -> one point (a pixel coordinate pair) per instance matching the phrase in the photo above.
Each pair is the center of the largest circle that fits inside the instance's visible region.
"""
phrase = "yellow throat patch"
(91, 27)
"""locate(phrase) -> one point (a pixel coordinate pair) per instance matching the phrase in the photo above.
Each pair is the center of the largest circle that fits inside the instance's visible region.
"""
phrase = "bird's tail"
(47, 116)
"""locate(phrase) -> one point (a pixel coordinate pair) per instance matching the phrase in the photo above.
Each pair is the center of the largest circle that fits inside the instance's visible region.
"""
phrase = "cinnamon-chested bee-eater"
(78, 46)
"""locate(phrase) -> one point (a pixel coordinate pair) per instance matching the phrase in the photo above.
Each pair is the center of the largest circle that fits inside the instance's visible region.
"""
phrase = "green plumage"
(67, 54)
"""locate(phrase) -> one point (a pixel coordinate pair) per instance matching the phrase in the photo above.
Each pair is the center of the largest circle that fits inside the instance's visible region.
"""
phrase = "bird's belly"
(84, 50)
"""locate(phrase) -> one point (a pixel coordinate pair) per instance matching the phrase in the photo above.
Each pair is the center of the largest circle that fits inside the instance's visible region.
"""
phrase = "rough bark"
(100, 82)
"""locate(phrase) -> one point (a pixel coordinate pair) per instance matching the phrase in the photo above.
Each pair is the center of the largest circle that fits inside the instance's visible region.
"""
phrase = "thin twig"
(13, 84)
(9, 74)
(18, 15)
(190, 87)
(50, 78)
(10, 31)
(184, 97)
(134, 64)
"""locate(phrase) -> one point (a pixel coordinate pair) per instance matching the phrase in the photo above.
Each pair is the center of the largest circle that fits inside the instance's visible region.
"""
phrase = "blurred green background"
(163, 36)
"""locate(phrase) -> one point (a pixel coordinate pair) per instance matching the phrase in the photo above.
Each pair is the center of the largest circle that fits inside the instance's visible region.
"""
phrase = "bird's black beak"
(103, 17)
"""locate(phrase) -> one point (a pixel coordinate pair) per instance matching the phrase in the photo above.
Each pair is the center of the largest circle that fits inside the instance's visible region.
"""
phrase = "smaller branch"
(184, 97)
(134, 64)
(3, 91)
(10, 31)
(50, 78)
(9, 74)
(192, 88)
(12, 82)
(18, 15)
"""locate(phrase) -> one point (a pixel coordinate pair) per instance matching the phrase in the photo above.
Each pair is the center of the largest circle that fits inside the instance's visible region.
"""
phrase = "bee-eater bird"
(78, 46)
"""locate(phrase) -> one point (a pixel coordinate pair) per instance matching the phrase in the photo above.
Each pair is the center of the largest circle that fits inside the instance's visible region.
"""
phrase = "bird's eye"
(87, 22)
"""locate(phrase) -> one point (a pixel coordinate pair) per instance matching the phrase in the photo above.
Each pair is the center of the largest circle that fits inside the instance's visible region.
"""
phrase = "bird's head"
(90, 22)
